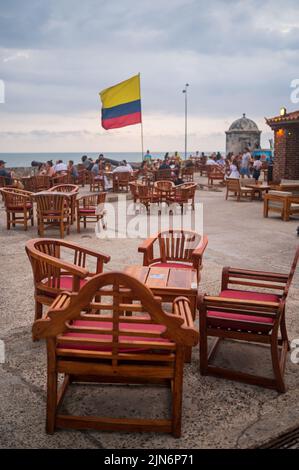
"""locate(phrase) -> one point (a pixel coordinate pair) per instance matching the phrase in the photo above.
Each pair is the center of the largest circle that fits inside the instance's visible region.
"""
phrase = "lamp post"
(186, 104)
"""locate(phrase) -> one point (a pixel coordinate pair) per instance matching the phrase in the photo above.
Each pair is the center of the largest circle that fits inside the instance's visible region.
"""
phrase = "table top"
(165, 279)
(262, 187)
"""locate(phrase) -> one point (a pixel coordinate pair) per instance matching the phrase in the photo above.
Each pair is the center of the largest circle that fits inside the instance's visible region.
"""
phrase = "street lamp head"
(187, 84)
(183, 91)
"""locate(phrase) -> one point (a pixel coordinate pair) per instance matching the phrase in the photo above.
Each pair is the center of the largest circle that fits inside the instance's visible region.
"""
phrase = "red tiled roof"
(288, 117)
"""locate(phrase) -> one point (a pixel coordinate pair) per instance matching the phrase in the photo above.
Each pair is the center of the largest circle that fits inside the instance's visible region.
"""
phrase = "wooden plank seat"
(90, 340)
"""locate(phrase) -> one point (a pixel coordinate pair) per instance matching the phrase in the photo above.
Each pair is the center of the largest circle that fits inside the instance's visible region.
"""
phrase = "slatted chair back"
(188, 173)
(178, 245)
(40, 182)
(162, 175)
(50, 203)
(233, 185)
(65, 188)
(164, 185)
(146, 347)
(91, 201)
(14, 198)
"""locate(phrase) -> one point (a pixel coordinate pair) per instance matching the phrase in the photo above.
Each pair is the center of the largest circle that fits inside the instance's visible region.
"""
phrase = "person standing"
(147, 157)
(245, 162)
(257, 165)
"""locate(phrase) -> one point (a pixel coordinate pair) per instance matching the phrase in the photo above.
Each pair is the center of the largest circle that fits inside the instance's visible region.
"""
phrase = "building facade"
(242, 133)
(286, 145)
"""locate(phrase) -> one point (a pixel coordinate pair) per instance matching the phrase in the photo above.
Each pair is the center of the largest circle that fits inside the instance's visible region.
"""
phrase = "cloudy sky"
(55, 56)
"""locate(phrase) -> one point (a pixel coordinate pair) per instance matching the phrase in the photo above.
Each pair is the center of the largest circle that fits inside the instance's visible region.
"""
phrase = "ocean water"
(25, 159)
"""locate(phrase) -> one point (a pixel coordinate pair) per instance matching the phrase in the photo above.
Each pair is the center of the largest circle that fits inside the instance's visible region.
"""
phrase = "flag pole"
(141, 123)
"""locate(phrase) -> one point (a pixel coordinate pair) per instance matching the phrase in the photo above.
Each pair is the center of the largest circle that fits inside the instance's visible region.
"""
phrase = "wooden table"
(168, 283)
(258, 188)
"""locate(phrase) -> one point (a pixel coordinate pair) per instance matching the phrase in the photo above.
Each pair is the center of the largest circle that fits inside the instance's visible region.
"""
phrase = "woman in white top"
(234, 171)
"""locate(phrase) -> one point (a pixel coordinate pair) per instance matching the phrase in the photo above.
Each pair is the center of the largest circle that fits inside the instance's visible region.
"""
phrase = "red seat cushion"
(66, 282)
(172, 264)
(87, 211)
(107, 337)
(244, 295)
(20, 208)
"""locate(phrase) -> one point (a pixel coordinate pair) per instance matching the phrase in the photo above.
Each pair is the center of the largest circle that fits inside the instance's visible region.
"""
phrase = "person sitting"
(121, 168)
(86, 163)
(72, 169)
(211, 161)
(234, 169)
(128, 166)
(147, 157)
(165, 164)
(60, 167)
(47, 169)
(4, 172)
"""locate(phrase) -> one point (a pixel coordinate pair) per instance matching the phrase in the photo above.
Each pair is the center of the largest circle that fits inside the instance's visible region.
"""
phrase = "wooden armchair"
(40, 183)
(164, 190)
(97, 183)
(53, 209)
(60, 266)
(18, 207)
(121, 181)
(72, 190)
(90, 208)
(233, 185)
(145, 348)
(163, 175)
(250, 316)
(215, 173)
(175, 249)
(281, 202)
(188, 174)
(183, 194)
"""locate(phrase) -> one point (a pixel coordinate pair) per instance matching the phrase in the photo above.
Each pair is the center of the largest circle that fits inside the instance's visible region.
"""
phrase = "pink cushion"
(87, 211)
(66, 282)
(172, 264)
(107, 337)
(20, 208)
(244, 295)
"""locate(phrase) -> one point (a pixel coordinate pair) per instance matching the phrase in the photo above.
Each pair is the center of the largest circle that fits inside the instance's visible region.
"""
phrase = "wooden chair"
(175, 249)
(164, 190)
(183, 194)
(60, 266)
(163, 175)
(40, 183)
(18, 207)
(121, 181)
(90, 208)
(233, 185)
(145, 348)
(188, 174)
(97, 183)
(72, 190)
(281, 202)
(146, 195)
(53, 209)
(249, 316)
(215, 173)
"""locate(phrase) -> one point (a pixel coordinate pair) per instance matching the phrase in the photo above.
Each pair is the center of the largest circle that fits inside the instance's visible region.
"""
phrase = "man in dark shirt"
(4, 172)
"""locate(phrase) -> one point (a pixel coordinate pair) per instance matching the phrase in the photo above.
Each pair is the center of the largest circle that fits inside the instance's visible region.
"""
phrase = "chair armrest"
(147, 249)
(181, 309)
(198, 252)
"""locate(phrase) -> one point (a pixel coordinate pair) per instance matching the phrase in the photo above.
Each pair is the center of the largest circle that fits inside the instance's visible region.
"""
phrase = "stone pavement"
(217, 413)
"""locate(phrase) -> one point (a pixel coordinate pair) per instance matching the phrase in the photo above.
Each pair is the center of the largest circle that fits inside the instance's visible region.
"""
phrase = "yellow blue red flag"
(121, 104)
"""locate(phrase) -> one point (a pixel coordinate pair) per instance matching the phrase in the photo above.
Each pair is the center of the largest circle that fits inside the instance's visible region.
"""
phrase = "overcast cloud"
(55, 56)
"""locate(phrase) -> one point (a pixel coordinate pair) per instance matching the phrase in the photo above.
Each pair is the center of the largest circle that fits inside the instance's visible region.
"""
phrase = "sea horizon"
(24, 159)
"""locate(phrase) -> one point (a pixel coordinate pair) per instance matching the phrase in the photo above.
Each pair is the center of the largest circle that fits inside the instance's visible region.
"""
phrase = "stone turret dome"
(243, 124)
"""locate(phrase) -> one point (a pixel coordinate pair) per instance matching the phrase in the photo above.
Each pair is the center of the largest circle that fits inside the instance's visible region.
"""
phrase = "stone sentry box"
(242, 133)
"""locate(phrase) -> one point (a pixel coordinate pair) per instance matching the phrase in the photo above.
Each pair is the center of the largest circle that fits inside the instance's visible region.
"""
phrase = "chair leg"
(51, 401)
(25, 220)
(38, 310)
(284, 333)
(203, 344)
(78, 223)
(278, 373)
(32, 218)
(177, 392)
(61, 229)
(13, 219)
(8, 220)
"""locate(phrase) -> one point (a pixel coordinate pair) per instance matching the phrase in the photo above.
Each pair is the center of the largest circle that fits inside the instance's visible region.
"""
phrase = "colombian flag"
(121, 104)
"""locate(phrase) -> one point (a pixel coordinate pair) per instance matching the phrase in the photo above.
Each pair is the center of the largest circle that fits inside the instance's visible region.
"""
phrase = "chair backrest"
(40, 182)
(116, 338)
(178, 244)
(163, 185)
(292, 272)
(65, 188)
(91, 201)
(233, 184)
(122, 176)
(15, 198)
(163, 174)
(50, 202)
